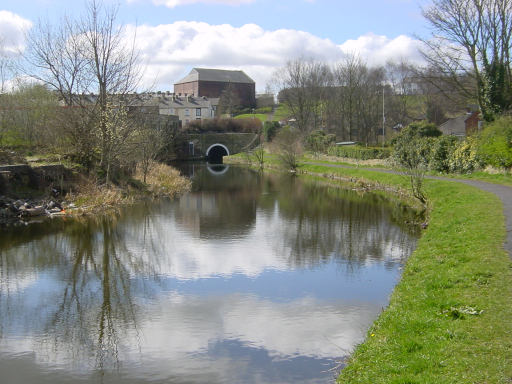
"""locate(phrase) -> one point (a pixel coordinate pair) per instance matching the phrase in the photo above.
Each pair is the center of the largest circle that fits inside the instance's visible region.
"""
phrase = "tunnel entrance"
(215, 153)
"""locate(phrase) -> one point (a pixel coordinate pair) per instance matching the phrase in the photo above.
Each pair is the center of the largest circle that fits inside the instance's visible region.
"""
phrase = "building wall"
(188, 89)
(246, 92)
(188, 114)
(472, 123)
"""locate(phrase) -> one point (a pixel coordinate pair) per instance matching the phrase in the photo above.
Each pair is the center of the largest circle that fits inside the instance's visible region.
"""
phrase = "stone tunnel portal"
(216, 152)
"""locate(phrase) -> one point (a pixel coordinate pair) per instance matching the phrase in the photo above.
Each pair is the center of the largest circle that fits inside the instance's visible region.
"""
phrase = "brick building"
(210, 83)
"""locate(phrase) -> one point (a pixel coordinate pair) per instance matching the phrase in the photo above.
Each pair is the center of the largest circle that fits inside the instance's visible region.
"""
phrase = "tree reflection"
(326, 222)
(90, 276)
(94, 309)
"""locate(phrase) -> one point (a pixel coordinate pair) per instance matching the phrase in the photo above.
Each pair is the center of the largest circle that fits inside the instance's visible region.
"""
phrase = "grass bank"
(490, 176)
(261, 116)
(449, 318)
(161, 181)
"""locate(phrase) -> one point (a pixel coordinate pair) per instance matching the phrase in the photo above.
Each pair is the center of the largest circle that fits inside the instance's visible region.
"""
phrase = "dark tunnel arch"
(216, 152)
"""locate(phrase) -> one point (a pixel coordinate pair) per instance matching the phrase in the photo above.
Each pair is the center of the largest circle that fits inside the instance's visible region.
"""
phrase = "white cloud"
(171, 50)
(377, 49)
(12, 30)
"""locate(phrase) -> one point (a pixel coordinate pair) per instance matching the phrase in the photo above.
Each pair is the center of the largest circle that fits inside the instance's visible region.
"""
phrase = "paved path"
(502, 191)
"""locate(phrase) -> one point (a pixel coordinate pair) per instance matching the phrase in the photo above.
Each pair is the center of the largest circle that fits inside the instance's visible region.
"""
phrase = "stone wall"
(26, 180)
(194, 146)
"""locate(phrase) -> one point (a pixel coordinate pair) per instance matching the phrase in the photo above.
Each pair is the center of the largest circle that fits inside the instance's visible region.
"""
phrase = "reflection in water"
(183, 291)
(217, 169)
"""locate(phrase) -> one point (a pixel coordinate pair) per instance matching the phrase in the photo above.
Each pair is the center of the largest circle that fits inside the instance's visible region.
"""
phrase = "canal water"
(249, 278)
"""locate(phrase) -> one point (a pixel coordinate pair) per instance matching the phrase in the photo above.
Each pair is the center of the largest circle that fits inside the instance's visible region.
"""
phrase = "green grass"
(505, 179)
(13, 139)
(497, 178)
(261, 116)
(426, 335)
(282, 113)
(431, 332)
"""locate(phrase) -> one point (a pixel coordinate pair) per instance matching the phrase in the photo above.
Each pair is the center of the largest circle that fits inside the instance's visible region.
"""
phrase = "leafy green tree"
(412, 152)
(270, 129)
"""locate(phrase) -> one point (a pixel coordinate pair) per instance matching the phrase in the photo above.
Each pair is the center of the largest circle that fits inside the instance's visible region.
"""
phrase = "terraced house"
(187, 108)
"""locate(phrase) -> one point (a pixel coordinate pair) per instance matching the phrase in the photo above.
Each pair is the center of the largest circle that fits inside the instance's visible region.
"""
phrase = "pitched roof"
(221, 75)
(455, 126)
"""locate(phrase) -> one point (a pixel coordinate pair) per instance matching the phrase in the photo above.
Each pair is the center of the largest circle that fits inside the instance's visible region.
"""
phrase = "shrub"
(465, 157)
(270, 129)
(423, 129)
(495, 143)
(412, 152)
(441, 153)
(319, 141)
(288, 145)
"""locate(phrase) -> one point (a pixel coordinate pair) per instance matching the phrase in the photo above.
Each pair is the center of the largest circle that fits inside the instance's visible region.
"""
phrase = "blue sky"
(257, 36)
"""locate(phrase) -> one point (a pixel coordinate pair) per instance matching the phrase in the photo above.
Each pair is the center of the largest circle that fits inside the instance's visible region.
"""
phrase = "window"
(198, 111)
(187, 112)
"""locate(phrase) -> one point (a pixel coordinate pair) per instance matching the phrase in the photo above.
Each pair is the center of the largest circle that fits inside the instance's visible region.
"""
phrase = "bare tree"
(111, 63)
(471, 47)
(303, 84)
(154, 138)
(118, 137)
(401, 77)
(82, 56)
(55, 57)
(6, 67)
(355, 104)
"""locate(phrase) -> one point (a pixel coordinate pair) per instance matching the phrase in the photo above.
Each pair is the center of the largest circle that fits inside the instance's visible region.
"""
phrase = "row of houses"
(196, 97)
(186, 108)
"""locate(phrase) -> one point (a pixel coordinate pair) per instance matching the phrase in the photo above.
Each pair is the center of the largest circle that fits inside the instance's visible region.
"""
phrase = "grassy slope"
(498, 178)
(424, 336)
(261, 116)
(281, 113)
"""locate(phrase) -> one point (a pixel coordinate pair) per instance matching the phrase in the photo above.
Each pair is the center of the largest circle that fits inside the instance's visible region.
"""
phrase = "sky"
(256, 36)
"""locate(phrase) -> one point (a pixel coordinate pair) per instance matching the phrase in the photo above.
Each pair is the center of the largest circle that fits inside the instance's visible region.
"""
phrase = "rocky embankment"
(12, 210)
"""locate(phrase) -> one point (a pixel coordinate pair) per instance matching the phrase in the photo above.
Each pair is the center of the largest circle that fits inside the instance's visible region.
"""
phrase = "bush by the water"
(359, 152)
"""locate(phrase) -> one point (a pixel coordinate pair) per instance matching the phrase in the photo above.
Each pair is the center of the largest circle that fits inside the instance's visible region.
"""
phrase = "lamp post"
(383, 117)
